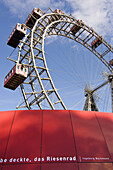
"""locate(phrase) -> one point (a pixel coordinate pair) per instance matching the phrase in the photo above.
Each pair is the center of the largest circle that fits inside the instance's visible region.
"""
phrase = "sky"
(95, 13)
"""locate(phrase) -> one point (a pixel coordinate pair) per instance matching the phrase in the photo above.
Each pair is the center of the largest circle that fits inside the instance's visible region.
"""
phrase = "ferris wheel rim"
(65, 35)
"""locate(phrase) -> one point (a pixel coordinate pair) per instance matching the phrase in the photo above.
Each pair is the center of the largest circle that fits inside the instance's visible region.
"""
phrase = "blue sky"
(95, 13)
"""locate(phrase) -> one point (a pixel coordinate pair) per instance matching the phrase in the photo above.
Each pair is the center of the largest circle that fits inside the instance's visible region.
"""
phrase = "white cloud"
(23, 7)
(50, 39)
(95, 13)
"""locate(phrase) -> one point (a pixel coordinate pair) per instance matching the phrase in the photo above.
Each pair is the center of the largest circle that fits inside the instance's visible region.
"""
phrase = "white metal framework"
(39, 87)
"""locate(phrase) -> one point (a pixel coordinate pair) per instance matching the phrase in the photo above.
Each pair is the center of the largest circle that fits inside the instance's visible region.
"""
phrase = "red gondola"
(16, 76)
(58, 11)
(56, 17)
(36, 13)
(77, 27)
(96, 42)
(111, 62)
(17, 34)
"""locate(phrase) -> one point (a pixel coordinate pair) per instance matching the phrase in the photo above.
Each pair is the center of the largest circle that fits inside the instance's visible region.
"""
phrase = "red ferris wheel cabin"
(77, 27)
(17, 34)
(36, 14)
(96, 42)
(56, 17)
(58, 11)
(16, 76)
(111, 62)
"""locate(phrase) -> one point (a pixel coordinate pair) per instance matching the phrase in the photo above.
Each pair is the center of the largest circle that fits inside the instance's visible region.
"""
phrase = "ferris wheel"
(42, 33)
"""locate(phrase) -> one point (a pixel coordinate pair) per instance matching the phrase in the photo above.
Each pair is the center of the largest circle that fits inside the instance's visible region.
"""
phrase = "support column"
(111, 80)
(90, 104)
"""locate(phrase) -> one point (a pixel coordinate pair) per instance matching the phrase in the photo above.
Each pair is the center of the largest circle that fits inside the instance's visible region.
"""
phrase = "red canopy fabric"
(56, 139)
